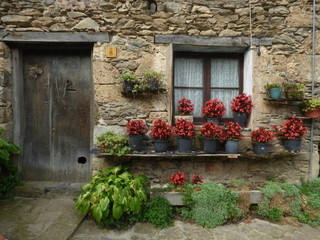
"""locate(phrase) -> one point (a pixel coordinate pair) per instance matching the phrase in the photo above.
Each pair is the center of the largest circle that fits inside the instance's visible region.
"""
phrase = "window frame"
(206, 58)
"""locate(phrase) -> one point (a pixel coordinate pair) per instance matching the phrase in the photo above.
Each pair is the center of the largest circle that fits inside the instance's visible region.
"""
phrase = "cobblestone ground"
(255, 230)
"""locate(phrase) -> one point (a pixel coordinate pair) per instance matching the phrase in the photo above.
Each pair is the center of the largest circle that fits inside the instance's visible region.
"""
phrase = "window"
(203, 76)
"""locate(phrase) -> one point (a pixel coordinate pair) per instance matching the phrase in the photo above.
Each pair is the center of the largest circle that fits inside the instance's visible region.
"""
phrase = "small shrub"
(314, 201)
(110, 142)
(214, 205)
(159, 212)
(275, 214)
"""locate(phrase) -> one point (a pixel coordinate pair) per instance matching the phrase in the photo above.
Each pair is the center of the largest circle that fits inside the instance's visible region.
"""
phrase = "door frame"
(18, 93)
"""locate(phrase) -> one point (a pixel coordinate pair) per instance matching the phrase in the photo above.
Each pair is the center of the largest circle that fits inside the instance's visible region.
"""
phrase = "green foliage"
(110, 142)
(129, 77)
(314, 200)
(311, 187)
(214, 205)
(272, 85)
(112, 196)
(310, 105)
(8, 172)
(275, 214)
(294, 90)
(159, 212)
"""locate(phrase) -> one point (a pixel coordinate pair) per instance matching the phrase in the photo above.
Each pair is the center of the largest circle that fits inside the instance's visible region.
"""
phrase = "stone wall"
(133, 27)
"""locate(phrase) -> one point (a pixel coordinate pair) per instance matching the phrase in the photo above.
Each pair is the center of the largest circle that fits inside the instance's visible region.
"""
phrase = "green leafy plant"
(272, 85)
(294, 90)
(110, 142)
(310, 105)
(8, 172)
(159, 212)
(153, 80)
(113, 196)
(214, 205)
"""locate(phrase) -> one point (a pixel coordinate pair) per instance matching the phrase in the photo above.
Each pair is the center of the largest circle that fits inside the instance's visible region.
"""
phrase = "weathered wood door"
(57, 94)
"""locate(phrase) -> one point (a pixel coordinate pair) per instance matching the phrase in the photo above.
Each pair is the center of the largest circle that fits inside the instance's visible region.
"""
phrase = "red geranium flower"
(197, 179)
(231, 131)
(262, 135)
(136, 127)
(211, 130)
(242, 103)
(184, 128)
(178, 178)
(161, 130)
(185, 106)
(213, 108)
(291, 129)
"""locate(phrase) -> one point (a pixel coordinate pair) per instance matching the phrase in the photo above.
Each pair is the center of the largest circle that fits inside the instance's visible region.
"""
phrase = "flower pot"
(313, 114)
(275, 93)
(261, 148)
(214, 120)
(128, 86)
(292, 145)
(161, 145)
(231, 147)
(135, 142)
(184, 145)
(210, 145)
(240, 118)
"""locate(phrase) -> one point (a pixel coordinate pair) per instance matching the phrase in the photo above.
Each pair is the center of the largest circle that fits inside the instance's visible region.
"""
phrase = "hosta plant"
(113, 196)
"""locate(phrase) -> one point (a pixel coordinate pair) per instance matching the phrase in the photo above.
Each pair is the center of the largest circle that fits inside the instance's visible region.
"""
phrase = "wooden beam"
(56, 37)
(212, 41)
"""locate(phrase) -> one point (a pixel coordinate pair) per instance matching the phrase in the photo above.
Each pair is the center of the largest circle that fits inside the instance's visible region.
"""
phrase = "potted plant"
(161, 132)
(185, 109)
(136, 130)
(110, 142)
(211, 134)
(261, 138)
(186, 131)
(231, 134)
(274, 90)
(213, 110)
(294, 91)
(130, 82)
(311, 108)
(291, 132)
(241, 107)
(153, 80)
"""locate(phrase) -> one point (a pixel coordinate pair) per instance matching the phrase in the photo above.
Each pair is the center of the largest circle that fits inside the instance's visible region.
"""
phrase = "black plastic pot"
(210, 145)
(184, 145)
(292, 145)
(240, 118)
(161, 145)
(128, 86)
(261, 148)
(231, 147)
(214, 120)
(135, 142)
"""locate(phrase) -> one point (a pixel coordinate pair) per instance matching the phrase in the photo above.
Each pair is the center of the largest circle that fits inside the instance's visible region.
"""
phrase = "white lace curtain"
(188, 72)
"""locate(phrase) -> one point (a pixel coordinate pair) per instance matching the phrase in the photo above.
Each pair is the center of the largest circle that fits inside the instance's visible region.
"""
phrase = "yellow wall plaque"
(111, 52)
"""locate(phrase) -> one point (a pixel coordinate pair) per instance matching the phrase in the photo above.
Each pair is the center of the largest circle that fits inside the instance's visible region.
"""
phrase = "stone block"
(155, 115)
(108, 93)
(214, 167)
(167, 165)
(104, 73)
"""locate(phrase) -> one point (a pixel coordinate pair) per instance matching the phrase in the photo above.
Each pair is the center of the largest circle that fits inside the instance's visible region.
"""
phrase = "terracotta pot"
(313, 114)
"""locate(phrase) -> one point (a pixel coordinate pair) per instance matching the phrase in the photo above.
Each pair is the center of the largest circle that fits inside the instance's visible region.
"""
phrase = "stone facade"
(133, 28)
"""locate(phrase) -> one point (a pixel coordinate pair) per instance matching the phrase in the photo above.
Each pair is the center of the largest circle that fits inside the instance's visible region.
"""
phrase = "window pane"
(224, 72)
(195, 95)
(188, 72)
(225, 96)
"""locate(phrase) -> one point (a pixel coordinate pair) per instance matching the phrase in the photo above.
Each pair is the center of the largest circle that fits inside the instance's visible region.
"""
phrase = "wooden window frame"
(206, 58)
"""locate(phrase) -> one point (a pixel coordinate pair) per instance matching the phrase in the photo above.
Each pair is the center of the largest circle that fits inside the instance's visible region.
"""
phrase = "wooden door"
(57, 94)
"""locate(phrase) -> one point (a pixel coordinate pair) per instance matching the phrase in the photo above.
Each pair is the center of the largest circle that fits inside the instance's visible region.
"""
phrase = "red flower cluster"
(161, 130)
(291, 129)
(178, 178)
(211, 130)
(197, 179)
(185, 106)
(242, 103)
(184, 128)
(262, 135)
(136, 127)
(231, 131)
(213, 108)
